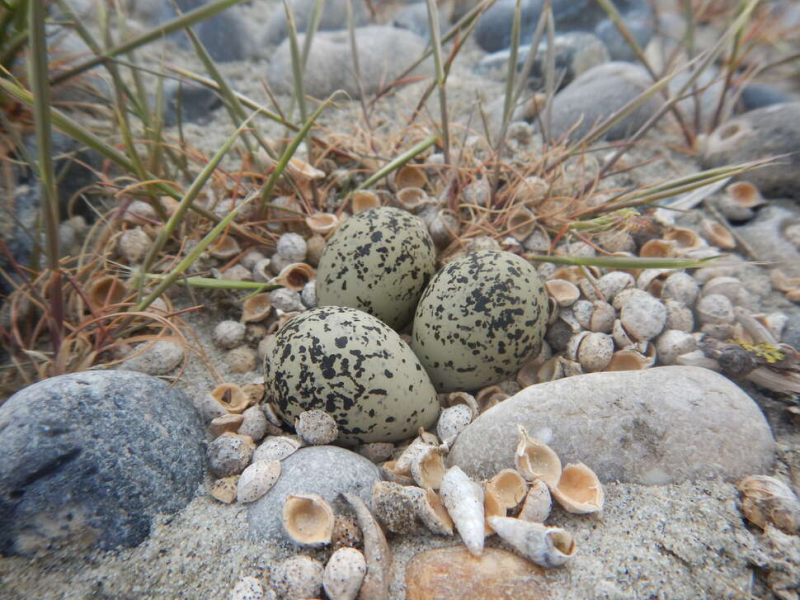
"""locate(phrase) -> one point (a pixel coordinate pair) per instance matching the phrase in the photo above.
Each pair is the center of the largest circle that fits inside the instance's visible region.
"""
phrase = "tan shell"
(344, 574)
(224, 247)
(257, 480)
(225, 423)
(444, 228)
(628, 360)
(730, 287)
(390, 473)
(520, 223)
(308, 519)
(492, 507)
(458, 398)
(685, 239)
(256, 308)
(509, 487)
(323, 224)
(433, 514)
(107, 290)
(579, 490)
(745, 194)
(224, 489)
(416, 448)
(562, 291)
(295, 276)
(413, 199)
(489, 396)
(536, 460)
(783, 283)
(427, 468)
(551, 370)
(364, 200)
(545, 546)
(767, 500)
(231, 397)
(717, 234)
(261, 271)
(657, 249)
(538, 503)
(409, 176)
(302, 171)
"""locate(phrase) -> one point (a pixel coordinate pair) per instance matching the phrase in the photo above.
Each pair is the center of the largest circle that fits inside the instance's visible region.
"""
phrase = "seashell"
(107, 291)
(698, 359)
(316, 427)
(579, 490)
(717, 234)
(745, 194)
(715, 309)
(346, 533)
(344, 574)
(550, 370)
(417, 447)
(323, 224)
(315, 245)
(685, 239)
(307, 519)
(603, 317)
(509, 487)
(628, 360)
(625, 296)
(595, 351)
(427, 436)
(781, 282)
(257, 480)
(582, 310)
(271, 412)
(231, 397)
(224, 247)
(413, 199)
(679, 316)
(250, 259)
(657, 249)
(262, 272)
(229, 334)
(613, 283)
(545, 546)
(298, 577)
(538, 503)
(571, 352)
(528, 372)
(652, 280)
(236, 273)
(444, 228)
(768, 501)
(247, 588)
(492, 507)
(433, 514)
(536, 460)
(277, 447)
(427, 468)
(775, 323)
(464, 500)
(295, 276)
(520, 223)
(389, 472)
(140, 213)
(225, 489)
(255, 424)
(303, 171)
(674, 343)
(376, 551)
(256, 308)
(364, 200)
(565, 315)
(409, 176)
(553, 310)
(377, 451)
(225, 423)
(395, 506)
(453, 420)
(681, 287)
(730, 287)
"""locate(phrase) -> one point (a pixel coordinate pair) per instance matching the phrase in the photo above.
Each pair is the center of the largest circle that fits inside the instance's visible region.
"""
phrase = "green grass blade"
(219, 284)
(625, 262)
(398, 162)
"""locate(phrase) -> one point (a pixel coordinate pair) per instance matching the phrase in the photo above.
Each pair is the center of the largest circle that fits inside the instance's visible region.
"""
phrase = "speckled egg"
(478, 321)
(355, 368)
(378, 261)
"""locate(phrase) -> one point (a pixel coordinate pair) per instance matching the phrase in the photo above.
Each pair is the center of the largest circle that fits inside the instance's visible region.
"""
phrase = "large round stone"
(657, 426)
(91, 457)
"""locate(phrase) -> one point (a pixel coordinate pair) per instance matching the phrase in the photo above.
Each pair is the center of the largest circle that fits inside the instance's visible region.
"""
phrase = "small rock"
(414, 18)
(92, 457)
(323, 470)
(454, 574)
(643, 317)
(761, 133)
(292, 247)
(229, 334)
(759, 95)
(227, 423)
(316, 427)
(334, 17)
(286, 300)
(298, 577)
(229, 454)
(197, 103)
(224, 36)
(657, 426)
(241, 360)
(766, 235)
(154, 358)
(254, 423)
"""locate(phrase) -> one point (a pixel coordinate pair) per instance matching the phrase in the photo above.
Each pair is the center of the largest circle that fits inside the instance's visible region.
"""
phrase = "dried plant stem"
(441, 77)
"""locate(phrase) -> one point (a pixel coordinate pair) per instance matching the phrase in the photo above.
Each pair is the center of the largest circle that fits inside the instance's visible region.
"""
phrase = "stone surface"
(453, 574)
(334, 17)
(157, 358)
(224, 36)
(415, 18)
(765, 235)
(92, 457)
(323, 470)
(598, 93)
(662, 425)
(759, 95)
(383, 55)
(196, 102)
(761, 133)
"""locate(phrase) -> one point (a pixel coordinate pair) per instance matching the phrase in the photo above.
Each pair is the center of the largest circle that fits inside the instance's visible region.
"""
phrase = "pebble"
(767, 236)
(197, 103)
(229, 454)
(224, 35)
(656, 426)
(316, 427)
(323, 470)
(453, 574)
(643, 317)
(292, 247)
(764, 132)
(298, 577)
(247, 588)
(286, 300)
(229, 334)
(92, 457)
(157, 358)
(334, 16)
(254, 423)
(759, 95)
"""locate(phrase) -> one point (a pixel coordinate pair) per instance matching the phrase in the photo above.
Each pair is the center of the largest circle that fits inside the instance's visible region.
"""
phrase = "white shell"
(643, 317)
(538, 503)
(427, 467)
(344, 574)
(545, 546)
(277, 448)
(403, 464)
(613, 283)
(316, 427)
(433, 514)
(681, 287)
(715, 309)
(254, 423)
(579, 490)
(463, 499)
(595, 351)
(257, 480)
(679, 316)
(673, 343)
(536, 460)
(452, 421)
(292, 247)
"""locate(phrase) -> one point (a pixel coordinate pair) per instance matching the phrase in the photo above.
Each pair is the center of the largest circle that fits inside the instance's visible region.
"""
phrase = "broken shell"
(377, 451)
(489, 396)
(715, 309)
(409, 176)
(298, 577)
(698, 359)
(717, 234)
(364, 200)
(427, 468)
(783, 283)
(603, 317)
(444, 228)
(652, 280)
(745, 194)
(767, 500)
(674, 343)
(463, 499)
(389, 472)
(492, 507)
(579, 490)
(225, 247)
(307, 519)
(395, 506)
(550, 370)
(625, 296)
(231, 397)
(730, 287)
(295, 276)
(564, 292)
(344, 573)
(595, 351)
(433, 514)
(257, 480)
(679, 316)
(225, 489)
(256, 308)
(628, 360)
(376, 551)
(323, 224)
(657, 249)
(413, 199)
(536, 460)
(277, 447)
(681, 287)
(545, 546)
(582, 311)
(225, 423)
(571, 351)
(509, 487)
(613, 283)
(107, 291)
(316, 427)
(538, 503)
(685, 239)
(452, 421)
(643, 317)
(462, 398)
(520, 223)
(261, 271)
(415, 448)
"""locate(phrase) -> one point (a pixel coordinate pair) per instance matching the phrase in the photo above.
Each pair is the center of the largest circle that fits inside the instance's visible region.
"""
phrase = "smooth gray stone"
(334, 17)
(766, 236)
(324, 470)
(761, 133)
(197, 103)
(90, 458)
(596, 95)
(415, 18)
(224, 36)
(759, 95)
(657, 426)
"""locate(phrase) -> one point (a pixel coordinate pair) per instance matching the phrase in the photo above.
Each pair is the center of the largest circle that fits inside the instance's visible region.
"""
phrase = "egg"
(378, 261)
(479, 320)
(354, 367)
